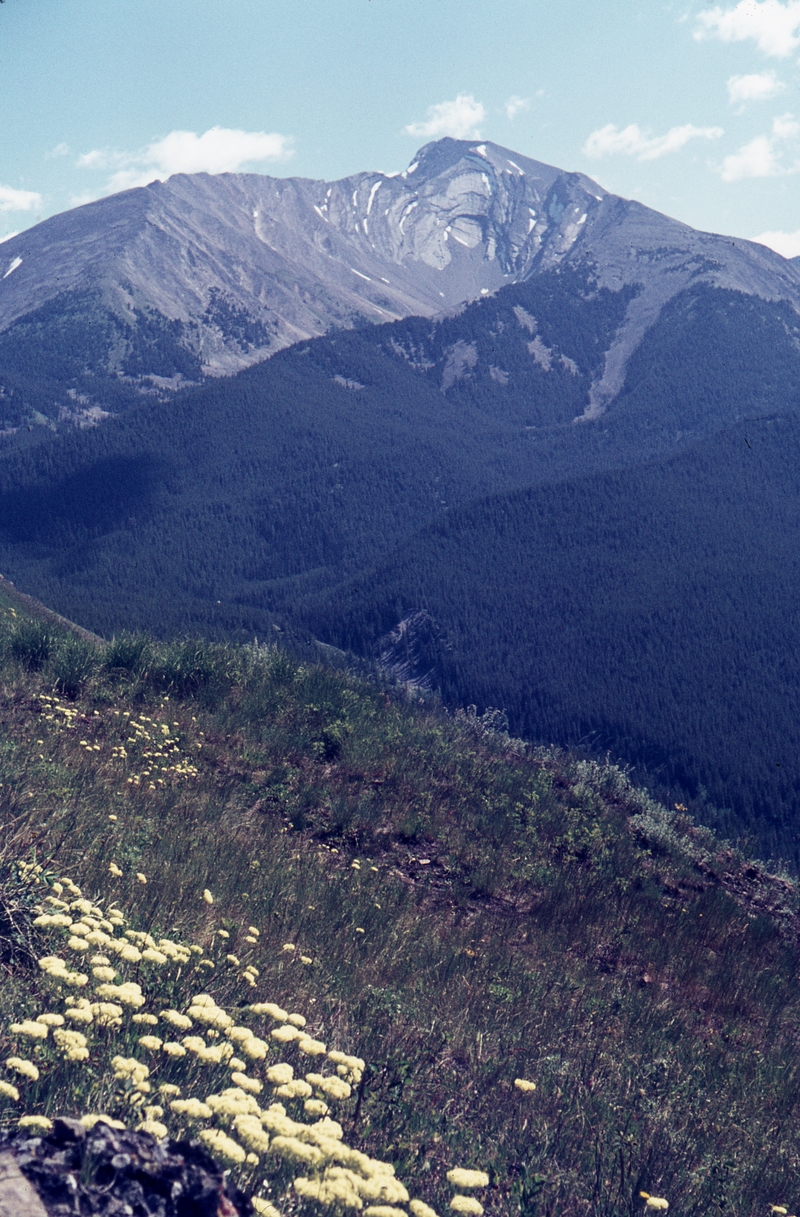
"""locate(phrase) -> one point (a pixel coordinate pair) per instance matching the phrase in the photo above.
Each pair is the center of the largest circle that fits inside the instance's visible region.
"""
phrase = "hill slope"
(474, 912)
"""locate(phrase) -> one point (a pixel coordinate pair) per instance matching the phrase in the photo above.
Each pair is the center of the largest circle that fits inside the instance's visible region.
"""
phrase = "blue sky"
(692, 108)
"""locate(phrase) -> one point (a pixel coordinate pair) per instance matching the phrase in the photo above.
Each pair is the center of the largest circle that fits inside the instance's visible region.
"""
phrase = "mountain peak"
(203, 275)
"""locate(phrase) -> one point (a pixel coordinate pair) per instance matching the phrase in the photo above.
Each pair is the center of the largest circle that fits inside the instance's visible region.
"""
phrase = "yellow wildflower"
(155, 1127)
(332, 1087)
(72, 1044)
(245, 1083)
(280, 1074)
(315, 1107)
(254, 1048)
(106, 974)
(9, 1091)
(176, 1019)
(173, 1049)
(142, 878)
(306, 959)
(52, 920)
(285, 1034)
(30, 1029)
(128, 1067)
(114, 869)
(222, 1145)
(209, 899)
(40, 1122)
(311, 1046)
(298, 1089)
(26, 1068)
(467, 1205)
(149, 1019)
(154, 956)
(129, 993)
(107, 1013)
(289, 946)
(191, 1109)
(295, 1150)
(152, 1042)
(93, 1118)
(169, 1091)
(467, 1179)
(269, 1007)
(329, 1193)
(523, 1085)
(81, 1012)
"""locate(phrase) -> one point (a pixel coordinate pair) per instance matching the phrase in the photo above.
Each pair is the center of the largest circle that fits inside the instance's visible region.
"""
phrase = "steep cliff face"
(204, 275)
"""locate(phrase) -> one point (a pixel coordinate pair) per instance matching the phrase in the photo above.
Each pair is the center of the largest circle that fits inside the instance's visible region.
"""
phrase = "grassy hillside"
(454, 908)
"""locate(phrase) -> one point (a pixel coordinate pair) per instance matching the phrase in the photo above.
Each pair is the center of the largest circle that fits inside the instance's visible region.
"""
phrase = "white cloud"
(460, 118)
(218, 150)
(772, 25)
(759, 86)
(516, 105)
(60, 150)
(632, 141)
(762, 157)
(785, 243)
(19, 200)
(756, 159)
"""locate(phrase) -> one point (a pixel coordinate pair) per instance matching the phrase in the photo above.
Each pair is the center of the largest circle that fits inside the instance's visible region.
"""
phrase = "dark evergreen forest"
(629, 583)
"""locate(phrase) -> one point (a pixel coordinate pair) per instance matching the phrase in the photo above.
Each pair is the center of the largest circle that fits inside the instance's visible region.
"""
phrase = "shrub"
(31, 643)
(72, 663)
(127, 653)
(188, 665)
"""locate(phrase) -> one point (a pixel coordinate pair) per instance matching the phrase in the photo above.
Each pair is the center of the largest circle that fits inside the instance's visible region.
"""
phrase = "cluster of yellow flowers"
(56, 711)
(157, 746)
(154, 744)
(205, 1036)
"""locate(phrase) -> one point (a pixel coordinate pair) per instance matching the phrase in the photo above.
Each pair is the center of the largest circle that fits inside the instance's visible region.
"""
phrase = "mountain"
(203, 275)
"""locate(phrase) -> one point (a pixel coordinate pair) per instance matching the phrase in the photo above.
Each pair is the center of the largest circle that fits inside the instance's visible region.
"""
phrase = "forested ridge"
(627, 583)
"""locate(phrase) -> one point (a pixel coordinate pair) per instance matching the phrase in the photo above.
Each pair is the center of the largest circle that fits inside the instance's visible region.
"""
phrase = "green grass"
(474, 910)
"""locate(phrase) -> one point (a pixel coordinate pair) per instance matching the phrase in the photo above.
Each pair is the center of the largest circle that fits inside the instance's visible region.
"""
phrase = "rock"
(111, 1173)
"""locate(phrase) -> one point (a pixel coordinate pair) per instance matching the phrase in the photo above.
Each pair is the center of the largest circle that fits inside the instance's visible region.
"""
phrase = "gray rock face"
(246, 264)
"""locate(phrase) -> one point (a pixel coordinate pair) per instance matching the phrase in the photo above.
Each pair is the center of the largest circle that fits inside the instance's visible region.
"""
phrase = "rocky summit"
(204, 275)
